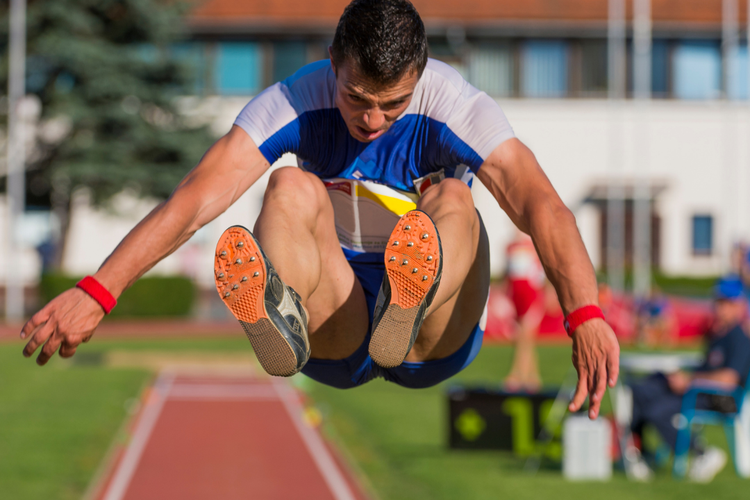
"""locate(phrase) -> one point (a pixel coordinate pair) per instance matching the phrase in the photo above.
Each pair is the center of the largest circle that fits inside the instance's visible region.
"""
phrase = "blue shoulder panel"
(413, 147)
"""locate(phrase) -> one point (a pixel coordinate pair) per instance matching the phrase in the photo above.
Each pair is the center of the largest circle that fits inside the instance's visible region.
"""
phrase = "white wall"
(698, 149)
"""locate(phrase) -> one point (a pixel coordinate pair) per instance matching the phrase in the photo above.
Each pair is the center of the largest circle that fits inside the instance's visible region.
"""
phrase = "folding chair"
(736, 425)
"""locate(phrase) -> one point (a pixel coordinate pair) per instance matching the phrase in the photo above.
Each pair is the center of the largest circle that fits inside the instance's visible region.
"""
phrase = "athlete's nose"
(375, 119)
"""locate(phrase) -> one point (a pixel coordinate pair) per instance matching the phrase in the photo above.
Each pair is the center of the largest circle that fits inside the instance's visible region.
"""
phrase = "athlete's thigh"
(337, 308)
(446, 329)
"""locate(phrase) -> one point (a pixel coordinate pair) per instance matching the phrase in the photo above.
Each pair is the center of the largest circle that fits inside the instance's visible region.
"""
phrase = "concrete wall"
(698, 150)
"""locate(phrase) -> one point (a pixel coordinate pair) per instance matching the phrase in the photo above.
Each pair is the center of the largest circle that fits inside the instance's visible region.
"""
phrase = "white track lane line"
(125, 470)
(322, 458)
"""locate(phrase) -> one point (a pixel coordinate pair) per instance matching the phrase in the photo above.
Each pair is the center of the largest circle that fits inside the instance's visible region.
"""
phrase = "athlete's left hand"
(596, 357)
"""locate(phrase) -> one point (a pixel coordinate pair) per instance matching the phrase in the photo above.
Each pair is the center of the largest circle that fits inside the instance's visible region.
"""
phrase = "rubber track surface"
(225, 438)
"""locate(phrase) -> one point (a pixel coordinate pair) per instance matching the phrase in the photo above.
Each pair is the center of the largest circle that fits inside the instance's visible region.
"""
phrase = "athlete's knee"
(295, 189)
(449, 194)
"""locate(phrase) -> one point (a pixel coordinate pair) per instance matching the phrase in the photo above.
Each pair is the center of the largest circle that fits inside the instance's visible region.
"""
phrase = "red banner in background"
(688, 318)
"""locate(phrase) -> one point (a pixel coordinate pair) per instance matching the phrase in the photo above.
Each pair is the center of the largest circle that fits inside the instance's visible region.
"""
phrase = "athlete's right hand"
(69, 319)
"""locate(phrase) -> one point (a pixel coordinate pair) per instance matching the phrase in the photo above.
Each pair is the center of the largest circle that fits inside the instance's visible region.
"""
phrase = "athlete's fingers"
(68, 349)
(581, 391)
(613, 368)
(594, 409)
(49, 348)
(40, 337)
(34, 322)
(600, 386)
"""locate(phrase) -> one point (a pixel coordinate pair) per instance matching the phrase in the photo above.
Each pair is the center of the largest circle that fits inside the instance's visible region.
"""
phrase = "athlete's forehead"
(349, 79)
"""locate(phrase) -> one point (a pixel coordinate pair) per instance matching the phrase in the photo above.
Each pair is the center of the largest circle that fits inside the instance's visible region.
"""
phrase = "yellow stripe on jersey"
(396, 205)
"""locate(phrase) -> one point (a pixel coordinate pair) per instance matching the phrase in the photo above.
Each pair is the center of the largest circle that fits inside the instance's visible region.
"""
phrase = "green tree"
(108, 79)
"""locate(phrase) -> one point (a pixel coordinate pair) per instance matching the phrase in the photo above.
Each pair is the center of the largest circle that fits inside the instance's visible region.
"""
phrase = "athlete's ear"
(333, 65)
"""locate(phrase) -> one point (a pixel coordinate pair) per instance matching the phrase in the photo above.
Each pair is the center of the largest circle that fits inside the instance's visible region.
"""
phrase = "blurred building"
(545, 61)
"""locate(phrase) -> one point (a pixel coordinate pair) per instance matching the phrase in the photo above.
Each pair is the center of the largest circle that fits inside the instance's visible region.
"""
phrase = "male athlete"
(369, 260)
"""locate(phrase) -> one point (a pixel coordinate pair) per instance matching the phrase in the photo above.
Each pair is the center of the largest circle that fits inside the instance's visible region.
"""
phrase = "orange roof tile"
(327, 12)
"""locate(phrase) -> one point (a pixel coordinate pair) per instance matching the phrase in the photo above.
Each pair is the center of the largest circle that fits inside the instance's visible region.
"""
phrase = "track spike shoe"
(414, 266)
(270, 312)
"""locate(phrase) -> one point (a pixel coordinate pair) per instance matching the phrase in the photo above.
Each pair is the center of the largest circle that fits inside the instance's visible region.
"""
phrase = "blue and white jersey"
(448, 130)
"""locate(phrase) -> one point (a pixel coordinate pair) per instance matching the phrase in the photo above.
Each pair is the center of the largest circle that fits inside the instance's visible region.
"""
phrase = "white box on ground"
(586, 449)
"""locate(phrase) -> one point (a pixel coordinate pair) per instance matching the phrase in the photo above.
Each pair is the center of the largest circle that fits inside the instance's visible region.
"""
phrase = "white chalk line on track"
(165, 389)
(145, 426)
(318, 451)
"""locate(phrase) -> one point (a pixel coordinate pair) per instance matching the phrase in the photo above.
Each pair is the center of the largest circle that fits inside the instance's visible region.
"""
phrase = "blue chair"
(736, 425)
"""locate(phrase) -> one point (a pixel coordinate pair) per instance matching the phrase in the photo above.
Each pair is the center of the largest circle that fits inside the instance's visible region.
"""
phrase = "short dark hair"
(384, 39)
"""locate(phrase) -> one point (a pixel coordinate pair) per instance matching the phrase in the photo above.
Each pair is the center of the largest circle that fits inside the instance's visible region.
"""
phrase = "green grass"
(398, 438)
(57, 422)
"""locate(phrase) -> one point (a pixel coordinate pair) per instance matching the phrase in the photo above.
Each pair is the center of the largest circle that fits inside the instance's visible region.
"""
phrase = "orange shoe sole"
(413, 263)
(241, 275)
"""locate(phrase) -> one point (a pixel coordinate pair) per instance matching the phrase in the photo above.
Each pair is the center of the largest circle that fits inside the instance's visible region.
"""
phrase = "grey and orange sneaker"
(270, 312)
(414, 265)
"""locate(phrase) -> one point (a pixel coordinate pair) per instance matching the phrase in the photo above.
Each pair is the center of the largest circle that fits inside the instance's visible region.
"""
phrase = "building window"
(238, 68)
(193, 57)
(703, 234)
(288, 57)
(544, 68)
(738, 85)
(696, 66)
(449, 53)
(491, 68)
(594, 74)
(660, 68)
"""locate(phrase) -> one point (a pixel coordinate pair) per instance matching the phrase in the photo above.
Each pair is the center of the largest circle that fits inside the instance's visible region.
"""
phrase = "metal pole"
(733, 187)
(616, 48)
(642, 192)
(16, 185)
(615, 192)
(730, 37)
(747, 39)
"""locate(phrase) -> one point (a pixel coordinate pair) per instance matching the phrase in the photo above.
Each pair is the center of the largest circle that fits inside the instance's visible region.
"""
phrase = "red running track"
(225, 438)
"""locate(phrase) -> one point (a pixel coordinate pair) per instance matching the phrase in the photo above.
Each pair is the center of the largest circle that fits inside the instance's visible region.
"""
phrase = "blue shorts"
(359, 368)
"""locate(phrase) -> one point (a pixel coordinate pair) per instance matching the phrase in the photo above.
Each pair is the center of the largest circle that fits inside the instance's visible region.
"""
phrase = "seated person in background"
(656, 320)
(657, 399)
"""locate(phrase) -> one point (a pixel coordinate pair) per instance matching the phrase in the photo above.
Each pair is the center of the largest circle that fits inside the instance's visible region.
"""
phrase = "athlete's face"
(369, 110)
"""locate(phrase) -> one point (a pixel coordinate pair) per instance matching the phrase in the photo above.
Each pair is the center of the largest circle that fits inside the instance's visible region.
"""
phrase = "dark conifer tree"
(109, 83)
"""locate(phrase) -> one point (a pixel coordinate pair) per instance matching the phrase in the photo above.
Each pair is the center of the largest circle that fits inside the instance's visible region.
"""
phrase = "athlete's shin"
(451, 207)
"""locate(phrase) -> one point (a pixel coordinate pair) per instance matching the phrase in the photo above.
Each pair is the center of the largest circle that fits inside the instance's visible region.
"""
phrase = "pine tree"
(108, 82)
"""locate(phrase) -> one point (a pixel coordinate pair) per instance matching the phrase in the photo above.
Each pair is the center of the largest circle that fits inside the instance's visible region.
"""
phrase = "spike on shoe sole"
(241, 275)
(414, 245)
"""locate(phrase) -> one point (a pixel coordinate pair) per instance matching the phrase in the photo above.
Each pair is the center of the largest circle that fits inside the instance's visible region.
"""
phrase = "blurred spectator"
(657, 399)
(605, 298)
(657, 324)
(526, 289)
(47, 251)
(740, 262)
(741, 265)
(618, 312)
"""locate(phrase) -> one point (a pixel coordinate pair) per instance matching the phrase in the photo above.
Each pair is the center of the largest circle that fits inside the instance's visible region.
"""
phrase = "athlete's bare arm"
(514, 177)
(226, 171)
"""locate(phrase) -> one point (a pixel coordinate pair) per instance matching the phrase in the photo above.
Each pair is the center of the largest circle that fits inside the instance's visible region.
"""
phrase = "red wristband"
(581, 315)
(98, 293)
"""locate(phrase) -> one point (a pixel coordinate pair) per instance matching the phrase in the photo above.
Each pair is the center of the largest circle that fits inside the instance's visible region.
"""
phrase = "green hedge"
(691, 287)
(686, 286)
(169, 296)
